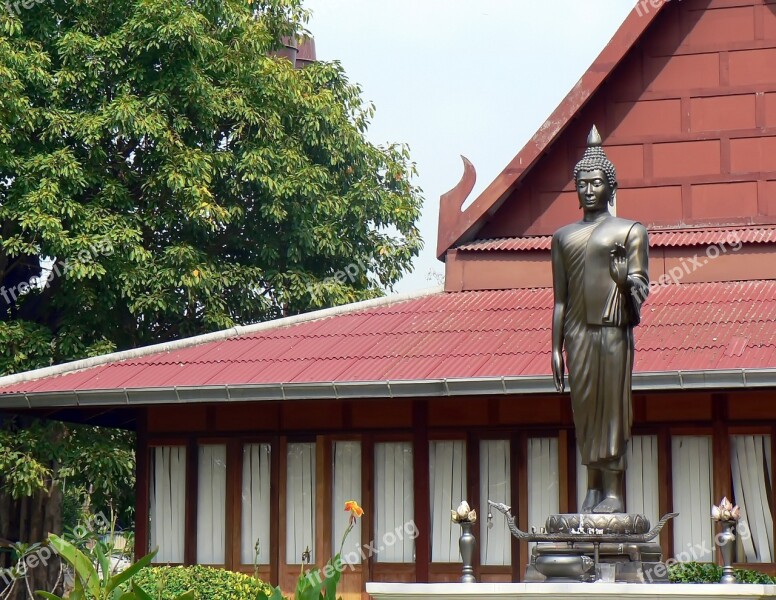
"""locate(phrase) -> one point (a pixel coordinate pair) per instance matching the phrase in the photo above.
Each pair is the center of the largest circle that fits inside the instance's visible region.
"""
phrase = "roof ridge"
(659, 238)
(223, 334)
(650, 229)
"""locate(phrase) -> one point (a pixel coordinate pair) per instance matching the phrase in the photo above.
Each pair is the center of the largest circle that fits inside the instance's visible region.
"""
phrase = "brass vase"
(467, 544)
(727, 546)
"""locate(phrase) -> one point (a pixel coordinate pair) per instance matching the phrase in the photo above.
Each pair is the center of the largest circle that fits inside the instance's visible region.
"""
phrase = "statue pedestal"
(567, 591)
(631, 562)
(604, 524)
(567, 539)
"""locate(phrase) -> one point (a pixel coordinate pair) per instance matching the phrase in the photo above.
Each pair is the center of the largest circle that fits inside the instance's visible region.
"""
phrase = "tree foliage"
(180, 178)
(93, 466)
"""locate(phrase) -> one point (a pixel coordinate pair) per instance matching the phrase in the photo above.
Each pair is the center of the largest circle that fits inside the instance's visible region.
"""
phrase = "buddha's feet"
(609, 505)
(592, 499)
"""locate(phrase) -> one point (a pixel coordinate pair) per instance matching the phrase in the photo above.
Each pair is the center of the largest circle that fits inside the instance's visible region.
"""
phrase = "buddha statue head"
(595, 176)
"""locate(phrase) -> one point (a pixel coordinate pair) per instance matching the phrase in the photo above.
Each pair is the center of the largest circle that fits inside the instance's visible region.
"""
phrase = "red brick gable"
(688, 116)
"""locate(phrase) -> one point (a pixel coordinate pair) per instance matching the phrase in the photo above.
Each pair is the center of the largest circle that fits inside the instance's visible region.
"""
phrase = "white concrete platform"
(565, 591)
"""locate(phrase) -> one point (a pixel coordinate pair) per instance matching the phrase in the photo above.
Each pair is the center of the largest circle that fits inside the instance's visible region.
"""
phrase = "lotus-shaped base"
(616, 523)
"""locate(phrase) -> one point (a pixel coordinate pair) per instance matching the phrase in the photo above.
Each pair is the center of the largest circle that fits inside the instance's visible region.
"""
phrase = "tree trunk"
(30, 520)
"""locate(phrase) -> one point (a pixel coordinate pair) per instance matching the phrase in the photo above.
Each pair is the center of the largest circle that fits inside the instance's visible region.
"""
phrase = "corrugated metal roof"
(728, 236)
(516, 244)
(452, 335)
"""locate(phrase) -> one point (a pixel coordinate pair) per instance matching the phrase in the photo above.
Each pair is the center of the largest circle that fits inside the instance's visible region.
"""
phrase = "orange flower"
(354, 509)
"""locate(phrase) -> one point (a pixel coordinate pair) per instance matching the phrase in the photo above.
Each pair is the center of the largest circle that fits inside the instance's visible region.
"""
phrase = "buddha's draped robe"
(600, 358)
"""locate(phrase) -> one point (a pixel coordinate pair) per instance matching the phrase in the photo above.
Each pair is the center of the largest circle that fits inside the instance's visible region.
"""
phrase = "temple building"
(250, 440)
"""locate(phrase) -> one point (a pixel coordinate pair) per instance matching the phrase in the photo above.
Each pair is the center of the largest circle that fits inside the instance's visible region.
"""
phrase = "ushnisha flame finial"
(594, 138)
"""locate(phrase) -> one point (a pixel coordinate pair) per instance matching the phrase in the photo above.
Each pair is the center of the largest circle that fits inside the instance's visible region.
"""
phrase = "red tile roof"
(669, 238)
(449, 335)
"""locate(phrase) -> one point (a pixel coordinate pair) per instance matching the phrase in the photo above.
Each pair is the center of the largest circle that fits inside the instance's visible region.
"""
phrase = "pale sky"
(452, 77)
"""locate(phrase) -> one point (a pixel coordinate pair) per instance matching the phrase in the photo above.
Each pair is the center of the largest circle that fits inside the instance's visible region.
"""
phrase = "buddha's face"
(593, 190)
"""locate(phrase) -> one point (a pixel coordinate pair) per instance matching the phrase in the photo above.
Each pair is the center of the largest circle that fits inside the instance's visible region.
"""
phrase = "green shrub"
(694, 572)
(207, 582)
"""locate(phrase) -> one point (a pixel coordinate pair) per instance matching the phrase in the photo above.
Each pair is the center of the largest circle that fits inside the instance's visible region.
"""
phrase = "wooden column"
(233, 554)
(280, 558)
(142, 484)
(192, 487)
(323, 500)
(571, 463)
(368, 504)
(721, 449)
(666, 491)
(274, 523)
(563, 471)
(520, 504)
(421, 485)
(722, 482)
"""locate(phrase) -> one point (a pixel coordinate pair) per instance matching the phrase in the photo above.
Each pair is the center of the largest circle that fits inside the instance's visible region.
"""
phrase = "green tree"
(181, 178)
(54, 473)
(93, 465)
(163, 174)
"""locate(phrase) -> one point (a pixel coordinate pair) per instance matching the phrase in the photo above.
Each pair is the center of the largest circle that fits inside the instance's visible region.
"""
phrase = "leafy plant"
(99, 583)
(138, 593)
(696, 572)
(22, 555)
(206, 583)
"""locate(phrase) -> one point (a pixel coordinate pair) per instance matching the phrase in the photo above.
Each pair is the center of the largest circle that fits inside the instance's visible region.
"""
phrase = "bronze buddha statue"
(600, 280)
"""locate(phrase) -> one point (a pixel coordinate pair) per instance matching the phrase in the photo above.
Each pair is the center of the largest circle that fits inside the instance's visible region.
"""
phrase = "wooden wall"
(505, 270)
(420, 420)
(689, 120)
